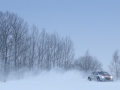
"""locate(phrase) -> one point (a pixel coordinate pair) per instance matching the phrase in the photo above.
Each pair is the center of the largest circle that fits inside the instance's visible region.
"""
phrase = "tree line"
(24, 48)
(27, 47)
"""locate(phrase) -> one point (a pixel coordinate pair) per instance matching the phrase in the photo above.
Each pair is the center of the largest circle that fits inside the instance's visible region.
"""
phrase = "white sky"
(93, 25)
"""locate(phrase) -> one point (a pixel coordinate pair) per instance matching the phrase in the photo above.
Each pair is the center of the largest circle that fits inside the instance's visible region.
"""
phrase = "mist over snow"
(57, 80)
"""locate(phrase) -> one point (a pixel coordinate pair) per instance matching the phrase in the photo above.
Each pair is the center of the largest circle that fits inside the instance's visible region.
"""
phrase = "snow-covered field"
(71, 80)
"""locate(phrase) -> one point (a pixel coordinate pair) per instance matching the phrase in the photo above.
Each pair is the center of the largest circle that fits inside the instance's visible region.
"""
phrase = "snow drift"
(71, 80)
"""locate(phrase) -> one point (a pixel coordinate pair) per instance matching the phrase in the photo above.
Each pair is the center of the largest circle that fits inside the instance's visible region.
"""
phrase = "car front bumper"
(106, 79)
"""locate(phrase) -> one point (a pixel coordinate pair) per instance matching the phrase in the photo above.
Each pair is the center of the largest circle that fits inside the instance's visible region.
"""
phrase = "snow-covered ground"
(71, 80)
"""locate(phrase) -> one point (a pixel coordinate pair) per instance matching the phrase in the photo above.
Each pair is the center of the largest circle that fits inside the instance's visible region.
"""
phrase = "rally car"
(100, 76)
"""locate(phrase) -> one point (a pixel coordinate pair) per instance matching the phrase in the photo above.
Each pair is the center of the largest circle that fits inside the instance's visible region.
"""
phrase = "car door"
(92, 76)
(95, 75)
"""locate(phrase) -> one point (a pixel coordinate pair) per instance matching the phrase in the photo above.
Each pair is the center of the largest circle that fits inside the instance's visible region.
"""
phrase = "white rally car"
(100, 76)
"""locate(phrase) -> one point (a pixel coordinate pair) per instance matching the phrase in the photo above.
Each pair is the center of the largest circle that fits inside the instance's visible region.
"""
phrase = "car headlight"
(102, 76)
(111, 77)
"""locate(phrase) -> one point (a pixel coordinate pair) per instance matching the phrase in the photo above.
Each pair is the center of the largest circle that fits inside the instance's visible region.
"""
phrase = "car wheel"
(89, 78)
(111, 80)
(98, 79)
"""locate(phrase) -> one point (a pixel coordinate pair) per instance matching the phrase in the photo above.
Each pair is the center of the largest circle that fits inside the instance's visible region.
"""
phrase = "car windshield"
(103, 73)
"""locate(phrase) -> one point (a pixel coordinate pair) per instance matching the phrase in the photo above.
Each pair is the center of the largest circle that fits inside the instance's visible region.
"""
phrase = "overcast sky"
(93, 25)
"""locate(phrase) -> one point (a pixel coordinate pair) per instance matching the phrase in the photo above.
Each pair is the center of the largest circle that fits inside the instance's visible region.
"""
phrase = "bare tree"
(68, 52)
(42, 49)
(19, 30)
(87, 63)
(114, 66)
(54, 51)
(5, 38)
(33, 47)
(13, 31)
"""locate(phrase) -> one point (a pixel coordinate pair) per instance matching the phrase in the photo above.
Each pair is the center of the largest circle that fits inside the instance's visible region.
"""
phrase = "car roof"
(98, 71)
